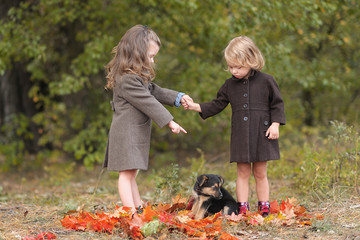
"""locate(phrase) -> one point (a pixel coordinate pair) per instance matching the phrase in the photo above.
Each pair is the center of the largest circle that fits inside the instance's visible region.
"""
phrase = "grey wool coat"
(256, 103)
(135, 104)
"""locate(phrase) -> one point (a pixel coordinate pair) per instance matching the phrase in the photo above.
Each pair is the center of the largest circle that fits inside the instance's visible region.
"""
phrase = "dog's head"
(209, 185)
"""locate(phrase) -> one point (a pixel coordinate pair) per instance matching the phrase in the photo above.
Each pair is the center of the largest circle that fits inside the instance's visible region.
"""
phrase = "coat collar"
(252, 73)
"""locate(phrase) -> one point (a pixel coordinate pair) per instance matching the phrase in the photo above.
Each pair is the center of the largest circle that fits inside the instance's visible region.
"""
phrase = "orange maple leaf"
(274, 207)
(227, 236)
(163, 207)
(299, 210)
(288, 212)
(149, 214)
(179, 199)
(45, 235)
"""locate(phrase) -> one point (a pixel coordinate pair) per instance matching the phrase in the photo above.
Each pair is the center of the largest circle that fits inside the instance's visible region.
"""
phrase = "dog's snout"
(219, 195)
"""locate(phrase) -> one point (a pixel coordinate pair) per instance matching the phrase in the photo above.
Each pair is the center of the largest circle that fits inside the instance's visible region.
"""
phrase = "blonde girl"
(257, 112)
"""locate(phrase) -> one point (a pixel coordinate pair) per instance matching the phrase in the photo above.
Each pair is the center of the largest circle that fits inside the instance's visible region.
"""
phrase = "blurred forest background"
(54, 110)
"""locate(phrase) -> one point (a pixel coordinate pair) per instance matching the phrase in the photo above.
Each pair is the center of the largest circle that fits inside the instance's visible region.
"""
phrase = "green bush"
(12, 146)
(329, 166)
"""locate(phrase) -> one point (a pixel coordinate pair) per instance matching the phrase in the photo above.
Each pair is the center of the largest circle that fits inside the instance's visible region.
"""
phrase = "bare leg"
(242, 181)
(126, 187)
(262, 183)
(135, 192)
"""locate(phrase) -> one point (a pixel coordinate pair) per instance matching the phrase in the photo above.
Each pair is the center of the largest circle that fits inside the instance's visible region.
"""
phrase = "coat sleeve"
(216, 105)
(163, 95)
(277, 110)
(137, 95)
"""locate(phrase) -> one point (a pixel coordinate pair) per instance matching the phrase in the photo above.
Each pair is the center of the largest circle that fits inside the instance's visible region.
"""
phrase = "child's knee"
(244, 173)
(260, 175)
(127, 174)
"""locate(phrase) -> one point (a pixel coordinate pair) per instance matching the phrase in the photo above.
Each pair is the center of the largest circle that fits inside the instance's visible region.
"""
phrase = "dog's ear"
(202, 179)
(221, 180)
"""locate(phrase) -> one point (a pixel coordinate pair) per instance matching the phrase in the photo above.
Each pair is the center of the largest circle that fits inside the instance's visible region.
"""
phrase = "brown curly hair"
(131, 55)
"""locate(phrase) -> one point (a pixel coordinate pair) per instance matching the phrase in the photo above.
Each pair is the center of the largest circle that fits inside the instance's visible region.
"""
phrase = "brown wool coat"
(256, 103)
(135, 104)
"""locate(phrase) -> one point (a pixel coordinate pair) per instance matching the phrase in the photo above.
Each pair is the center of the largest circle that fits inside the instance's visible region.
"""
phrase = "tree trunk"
(307, 101)
(14, 87)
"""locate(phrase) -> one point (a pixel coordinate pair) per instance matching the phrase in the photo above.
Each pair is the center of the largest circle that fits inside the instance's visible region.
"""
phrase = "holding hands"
(188, 104)
(184, 101)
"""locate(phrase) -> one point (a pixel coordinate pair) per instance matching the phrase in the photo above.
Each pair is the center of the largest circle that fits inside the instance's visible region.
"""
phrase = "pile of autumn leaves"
(175, 216)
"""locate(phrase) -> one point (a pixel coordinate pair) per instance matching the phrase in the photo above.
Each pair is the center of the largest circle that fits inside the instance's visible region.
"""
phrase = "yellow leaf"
(121, 212)
(183, 218)
(281, 216)
(179, 199)
(269, 218)
(292, 201)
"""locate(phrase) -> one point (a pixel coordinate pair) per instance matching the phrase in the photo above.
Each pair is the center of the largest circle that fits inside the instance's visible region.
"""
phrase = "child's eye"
(237, 67)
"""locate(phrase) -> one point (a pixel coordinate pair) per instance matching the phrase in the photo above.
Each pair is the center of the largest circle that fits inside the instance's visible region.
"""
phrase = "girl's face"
(237, 70)
(152, 51)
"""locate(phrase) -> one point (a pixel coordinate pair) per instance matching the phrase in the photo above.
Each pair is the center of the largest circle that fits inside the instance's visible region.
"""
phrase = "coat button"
(245, 105)
(245, 95)
(266, 123)
(245, 118)
(245, 82)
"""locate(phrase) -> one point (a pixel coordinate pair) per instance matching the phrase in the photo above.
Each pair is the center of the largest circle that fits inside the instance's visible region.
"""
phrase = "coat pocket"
(265, 123)
(140, 134)
(263, 142)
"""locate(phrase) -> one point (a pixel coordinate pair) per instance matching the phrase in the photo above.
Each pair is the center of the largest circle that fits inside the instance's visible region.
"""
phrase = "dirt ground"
(30, 204)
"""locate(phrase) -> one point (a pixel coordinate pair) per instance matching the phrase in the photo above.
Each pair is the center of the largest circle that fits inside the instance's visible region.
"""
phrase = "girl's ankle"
(139, 209)
(243, 207)
(264, 208)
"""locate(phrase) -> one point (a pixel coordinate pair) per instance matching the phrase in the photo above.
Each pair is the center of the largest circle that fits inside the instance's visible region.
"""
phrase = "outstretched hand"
(176, 128)
(185, 100)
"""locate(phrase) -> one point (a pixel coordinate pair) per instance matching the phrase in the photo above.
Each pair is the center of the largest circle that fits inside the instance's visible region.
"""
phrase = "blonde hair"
(131, 55)
(242, 50)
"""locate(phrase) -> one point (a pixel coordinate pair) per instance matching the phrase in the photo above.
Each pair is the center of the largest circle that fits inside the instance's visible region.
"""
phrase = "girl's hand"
(194, 106)
(185, 101)
(273, 131)
(175, 128)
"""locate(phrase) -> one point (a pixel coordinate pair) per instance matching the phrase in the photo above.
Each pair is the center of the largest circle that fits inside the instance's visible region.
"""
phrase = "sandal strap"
(140, 210)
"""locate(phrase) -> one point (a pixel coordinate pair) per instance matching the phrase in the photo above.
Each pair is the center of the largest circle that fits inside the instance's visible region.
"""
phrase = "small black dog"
(211, 197)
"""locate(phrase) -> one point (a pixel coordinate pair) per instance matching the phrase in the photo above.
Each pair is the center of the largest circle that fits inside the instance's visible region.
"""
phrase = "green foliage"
(311, 48)
(59, 173)
(168, 183)
(197, 165)
(331, 165)
(12, 146)
(152, 227)
(89, 144)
